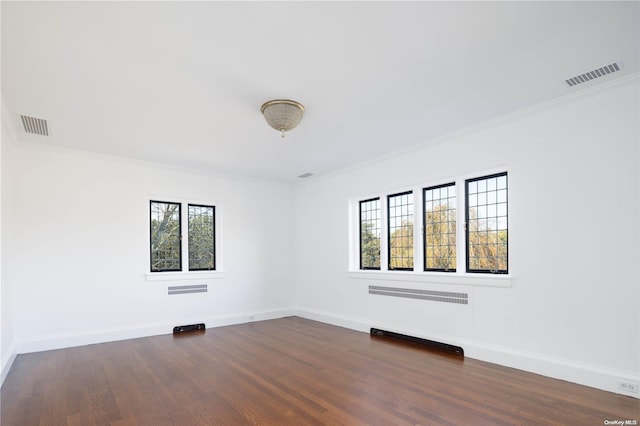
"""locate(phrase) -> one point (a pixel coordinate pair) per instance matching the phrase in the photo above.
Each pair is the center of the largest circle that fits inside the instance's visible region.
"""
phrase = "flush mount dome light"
(282, 114)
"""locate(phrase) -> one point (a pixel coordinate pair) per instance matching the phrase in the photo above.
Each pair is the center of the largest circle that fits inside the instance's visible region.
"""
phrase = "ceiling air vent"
(597, 73)
(37, 126)
(305, 175)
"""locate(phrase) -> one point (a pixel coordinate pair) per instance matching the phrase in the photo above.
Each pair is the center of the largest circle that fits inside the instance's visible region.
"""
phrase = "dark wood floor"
(289, 371)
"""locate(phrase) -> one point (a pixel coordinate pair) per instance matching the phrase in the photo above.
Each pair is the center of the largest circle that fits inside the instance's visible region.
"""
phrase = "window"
(370, 227)
(166, 253)
(201, 238)
(400, 214)
(440, 228)
(167, 246)
(487, 230)
(464, 229)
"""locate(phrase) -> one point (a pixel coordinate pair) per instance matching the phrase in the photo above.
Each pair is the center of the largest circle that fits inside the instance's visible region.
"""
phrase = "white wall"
(75, 235)
(7, 321)
(572, 309)
(76, 249)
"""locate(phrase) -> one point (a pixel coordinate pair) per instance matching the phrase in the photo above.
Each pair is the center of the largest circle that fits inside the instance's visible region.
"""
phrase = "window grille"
(370, 227)
(400, 217)
(166, 254)
(201, 237)
(487, 224)
(439, 230)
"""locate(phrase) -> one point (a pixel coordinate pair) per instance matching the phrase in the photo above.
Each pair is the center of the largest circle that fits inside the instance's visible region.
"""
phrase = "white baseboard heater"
(431, 344)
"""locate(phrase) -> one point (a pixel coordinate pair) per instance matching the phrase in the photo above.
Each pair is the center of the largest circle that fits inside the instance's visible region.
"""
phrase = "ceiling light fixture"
(282, 114)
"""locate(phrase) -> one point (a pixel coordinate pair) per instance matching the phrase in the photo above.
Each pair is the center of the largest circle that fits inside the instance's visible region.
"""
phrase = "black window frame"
(389, 267)
(424, 228)
(466, 225)
(213, 236)
(179, 269)
(360, 203)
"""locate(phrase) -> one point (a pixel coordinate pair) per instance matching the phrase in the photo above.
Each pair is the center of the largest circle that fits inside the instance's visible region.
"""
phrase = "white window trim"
(183, 275)
(430, 277)
(460, 277)
(186, 274)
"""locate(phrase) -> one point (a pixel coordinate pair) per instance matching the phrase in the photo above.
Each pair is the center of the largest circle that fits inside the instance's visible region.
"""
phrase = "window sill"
(183, 275)
(480, 280)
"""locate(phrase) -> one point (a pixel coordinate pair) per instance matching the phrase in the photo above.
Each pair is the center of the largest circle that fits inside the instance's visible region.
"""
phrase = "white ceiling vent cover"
(597, 73)
(37, 126)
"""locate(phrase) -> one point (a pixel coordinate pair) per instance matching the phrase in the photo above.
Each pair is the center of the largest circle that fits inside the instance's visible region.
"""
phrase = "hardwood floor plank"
(289, 371)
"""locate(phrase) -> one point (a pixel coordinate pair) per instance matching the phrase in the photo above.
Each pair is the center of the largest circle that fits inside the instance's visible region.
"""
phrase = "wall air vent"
(186, 289)
(409, 293)
(591, 75)
(36, 126)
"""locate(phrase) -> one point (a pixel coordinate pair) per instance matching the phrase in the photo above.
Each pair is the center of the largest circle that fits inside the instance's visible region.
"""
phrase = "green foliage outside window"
(165, 236)
(201, 237)
(401, 247)
(369, 247)
(440, 245)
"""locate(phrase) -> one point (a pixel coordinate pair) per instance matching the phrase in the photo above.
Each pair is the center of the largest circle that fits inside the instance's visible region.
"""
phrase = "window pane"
(439, 228)
(502, 182)
(165, 236)
(487, 229)
(401, 231)
(492, 210)
(201, 238)
(370, 234)
(491, 184)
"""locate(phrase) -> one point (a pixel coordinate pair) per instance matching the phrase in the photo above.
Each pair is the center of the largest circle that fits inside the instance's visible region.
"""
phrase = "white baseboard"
(7, 361)
(340, 321)
(602, 378)
(68, 340)
(576, 372)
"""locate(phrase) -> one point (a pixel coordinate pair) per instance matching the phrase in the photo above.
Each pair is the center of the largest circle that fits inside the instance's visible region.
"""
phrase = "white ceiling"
(182, 82)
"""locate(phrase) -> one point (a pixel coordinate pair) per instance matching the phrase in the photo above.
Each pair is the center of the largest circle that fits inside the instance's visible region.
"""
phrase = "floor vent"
(186, 289)
(191, 327)
(590, 75)
(431, 344)
(409, 293)
(36, 126)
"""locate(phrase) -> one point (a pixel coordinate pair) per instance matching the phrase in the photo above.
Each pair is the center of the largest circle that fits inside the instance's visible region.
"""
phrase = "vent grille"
(36, 126)
(591, 75)
(409, 293)
(186, 289)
